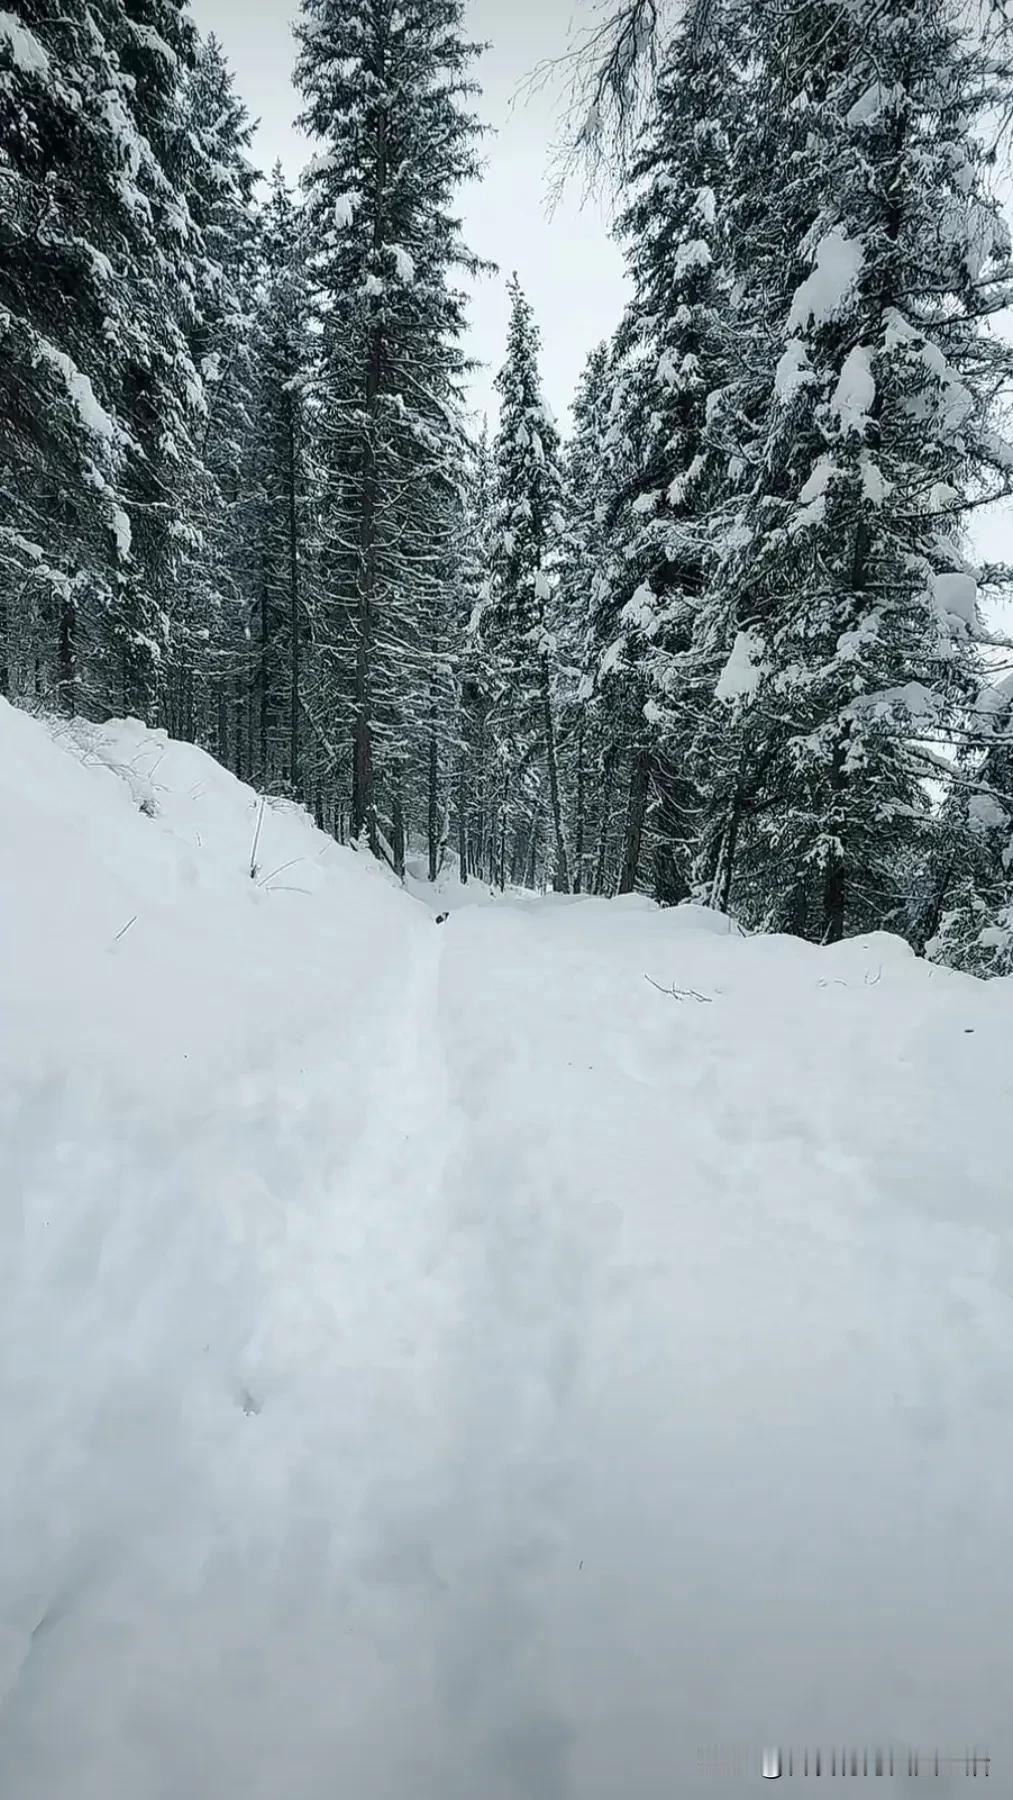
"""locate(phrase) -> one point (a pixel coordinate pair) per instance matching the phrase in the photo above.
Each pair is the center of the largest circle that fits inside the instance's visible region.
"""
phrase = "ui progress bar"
(781, 1764)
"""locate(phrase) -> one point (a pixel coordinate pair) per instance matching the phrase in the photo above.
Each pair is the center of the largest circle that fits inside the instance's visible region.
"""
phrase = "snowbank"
(446, 1363)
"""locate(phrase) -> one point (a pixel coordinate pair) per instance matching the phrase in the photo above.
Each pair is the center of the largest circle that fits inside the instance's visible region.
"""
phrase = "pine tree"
(518, 621)
(386, 90)
(849, 607)
(278, 499)
(476, 684)
(962, 911)
(217, 181)
(675, 344)
(589, 504)
(73, 226)
(162, 393)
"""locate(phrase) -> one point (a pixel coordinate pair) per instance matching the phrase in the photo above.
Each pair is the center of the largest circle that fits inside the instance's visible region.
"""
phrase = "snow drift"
(490, 1363)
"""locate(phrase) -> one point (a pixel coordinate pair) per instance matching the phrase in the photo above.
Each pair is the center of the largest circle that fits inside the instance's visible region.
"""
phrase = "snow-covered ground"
(435, 1364)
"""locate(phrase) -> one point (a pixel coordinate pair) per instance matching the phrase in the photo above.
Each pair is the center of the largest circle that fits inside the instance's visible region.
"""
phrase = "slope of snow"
(485, 1362)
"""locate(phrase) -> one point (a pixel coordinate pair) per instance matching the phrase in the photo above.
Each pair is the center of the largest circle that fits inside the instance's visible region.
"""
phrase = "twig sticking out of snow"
(280, 870)
(676, 993)
(123, 930)
(256, 840)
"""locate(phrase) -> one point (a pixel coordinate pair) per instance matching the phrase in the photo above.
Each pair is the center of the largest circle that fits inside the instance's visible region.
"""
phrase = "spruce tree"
(278, 500)
(519, 620)
(72, 228)
(849, 607)
(217, 181)
(476, 683)
(584, 571)
(386, 89)
(675, 344)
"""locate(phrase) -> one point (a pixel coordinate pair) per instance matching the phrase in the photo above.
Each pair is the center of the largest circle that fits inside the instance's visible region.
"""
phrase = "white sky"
(568, 265)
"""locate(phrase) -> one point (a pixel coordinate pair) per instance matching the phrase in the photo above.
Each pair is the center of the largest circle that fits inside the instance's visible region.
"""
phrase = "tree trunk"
(293, 608)
(671, 854)
(532, 868)
(519, 859)
(263, 732)
(248, 712)
(398, 845)
(504, 809)
(483, 868)
(188, 723)
(835, 881)
(66, 669)
(223, 726)
(462, 822)
(579, 822)
(609, 772)
(725, 872)
(636, 812)
(433, 817)
(5, 641)
(562, 878)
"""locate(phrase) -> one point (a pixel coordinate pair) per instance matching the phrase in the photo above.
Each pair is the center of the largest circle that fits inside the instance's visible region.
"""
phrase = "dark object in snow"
(440, 917)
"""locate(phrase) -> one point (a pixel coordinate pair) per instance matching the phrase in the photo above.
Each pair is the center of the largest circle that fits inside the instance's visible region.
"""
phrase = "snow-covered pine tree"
(606, 457)
(386, 92)
(217, 180)
(277, 500)
(162, 393)
(72, 227)
(675, 345)
(869, 233)
(518, 619)
(963, 897)
(589, 504)
(476, 685)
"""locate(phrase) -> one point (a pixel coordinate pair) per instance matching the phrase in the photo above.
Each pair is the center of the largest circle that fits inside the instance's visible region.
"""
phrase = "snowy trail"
(435, 1364)
(731, 1418)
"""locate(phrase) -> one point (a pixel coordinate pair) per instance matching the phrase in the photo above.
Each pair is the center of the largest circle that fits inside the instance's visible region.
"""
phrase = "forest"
(726, 638)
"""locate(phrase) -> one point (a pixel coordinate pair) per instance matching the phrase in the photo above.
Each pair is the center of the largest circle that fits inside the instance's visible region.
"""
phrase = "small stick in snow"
(256, 840)
(280, 870)
(680, 993)
(124, 930)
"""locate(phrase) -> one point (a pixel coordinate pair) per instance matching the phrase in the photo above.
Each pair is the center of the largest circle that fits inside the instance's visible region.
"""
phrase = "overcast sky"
(568, 265)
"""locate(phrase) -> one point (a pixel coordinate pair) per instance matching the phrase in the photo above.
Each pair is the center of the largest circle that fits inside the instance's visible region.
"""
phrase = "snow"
(823, 471)
(647, 502)
(23, 46)
(741, 674)
(852, 399)
(872, 103)
(121, 531)
(956, 595)
(875, 486)
(640, 610)
(694, 254)
(90, 410)
(986, 814)
(403, 264)
(793, 371)
(438, 1361)
(344, 210)
(943, 497)
(827, 291)
(153, 41)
